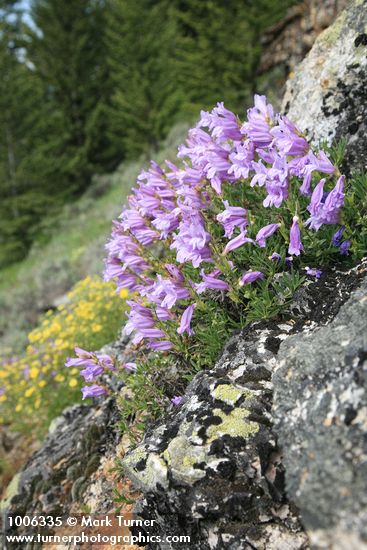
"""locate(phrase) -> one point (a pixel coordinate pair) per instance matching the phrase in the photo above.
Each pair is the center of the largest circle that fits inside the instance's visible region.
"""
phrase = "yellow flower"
(42, 383)
(124, 293)
(33, 373)
(29, 392)
(73, 382)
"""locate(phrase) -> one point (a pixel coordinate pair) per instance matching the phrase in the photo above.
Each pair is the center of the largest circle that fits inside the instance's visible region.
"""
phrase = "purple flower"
(260, 118)
(160, 345)
(130, 366)
(167, 292)
(250, 277)
(275, 257)
(313, 272)
(211, 281)
(238, 241)
(191, 242)
(186, 320)
(338, 235)
(266, 232)
(295, 245)
(93, 391)
(142, 322)
(84, 359)
(218, 166)
(90, 373)
(176, 400)
(277, 183)
(312, 163)
(232, 217)
(94, 363)
(344, 247)
(166, 222)
(151, 333)
(327, 212)
(242, 159)
(288, 138)
(223, 123)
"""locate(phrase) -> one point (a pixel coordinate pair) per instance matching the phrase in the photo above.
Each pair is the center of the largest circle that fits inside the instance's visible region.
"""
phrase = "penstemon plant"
(247, 200)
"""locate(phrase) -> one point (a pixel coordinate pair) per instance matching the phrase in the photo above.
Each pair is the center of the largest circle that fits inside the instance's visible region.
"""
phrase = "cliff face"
(327, 96)
(286, 43)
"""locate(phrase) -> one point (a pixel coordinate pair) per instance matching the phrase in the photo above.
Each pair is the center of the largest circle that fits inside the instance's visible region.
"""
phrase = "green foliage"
(87, 83)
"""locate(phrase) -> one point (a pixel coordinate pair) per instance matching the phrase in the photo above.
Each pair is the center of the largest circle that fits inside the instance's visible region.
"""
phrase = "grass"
(72, 248)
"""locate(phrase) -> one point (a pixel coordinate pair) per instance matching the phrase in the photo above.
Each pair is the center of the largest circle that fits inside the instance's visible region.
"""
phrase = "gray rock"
(212, 469)
(57, 474)
(320, 406)
(327, 97)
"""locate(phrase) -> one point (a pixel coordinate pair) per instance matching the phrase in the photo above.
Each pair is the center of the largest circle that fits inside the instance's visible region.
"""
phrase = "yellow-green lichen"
(10, 492)
(182, 456)
(229, 394)
(233, 424)
(332, 33)
(137, 454)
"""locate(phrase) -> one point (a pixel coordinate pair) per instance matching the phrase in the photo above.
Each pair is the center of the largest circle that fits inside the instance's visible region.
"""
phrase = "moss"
(233, 424)
(229, 394)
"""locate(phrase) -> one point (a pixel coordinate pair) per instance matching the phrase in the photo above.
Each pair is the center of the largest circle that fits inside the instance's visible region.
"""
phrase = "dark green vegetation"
(89, 83)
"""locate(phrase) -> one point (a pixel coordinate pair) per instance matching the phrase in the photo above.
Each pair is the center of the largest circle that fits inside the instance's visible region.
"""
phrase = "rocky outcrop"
(287, 42)
(213, 469)
(60, 472)
(327, 97)
(320, 406)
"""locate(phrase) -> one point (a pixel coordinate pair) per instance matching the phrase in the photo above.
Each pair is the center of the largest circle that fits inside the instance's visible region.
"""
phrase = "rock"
(60, 471)
(212, 469)
(286, 43)
(327, 97)
(320, 405)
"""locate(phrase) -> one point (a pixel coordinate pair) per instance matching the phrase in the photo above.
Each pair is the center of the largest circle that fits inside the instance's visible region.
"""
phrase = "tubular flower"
(186, 320)
(313, 272)
(93, 391)
(266, 232)
(232, 217)
(238, 241)
(295, 245)
(326, 210)
(250, 277)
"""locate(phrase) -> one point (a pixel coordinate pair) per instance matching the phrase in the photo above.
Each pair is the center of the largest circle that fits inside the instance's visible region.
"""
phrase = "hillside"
(74, 249)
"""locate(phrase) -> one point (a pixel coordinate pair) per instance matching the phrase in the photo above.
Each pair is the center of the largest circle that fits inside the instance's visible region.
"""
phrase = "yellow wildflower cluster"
(35, 387)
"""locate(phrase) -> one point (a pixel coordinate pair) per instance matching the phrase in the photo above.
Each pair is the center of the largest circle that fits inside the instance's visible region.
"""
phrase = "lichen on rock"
(327, 96)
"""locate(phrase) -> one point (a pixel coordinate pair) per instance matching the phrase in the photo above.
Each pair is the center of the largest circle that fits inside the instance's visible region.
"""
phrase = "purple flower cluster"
(174, 206)
(94, 364)
(179, 235)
